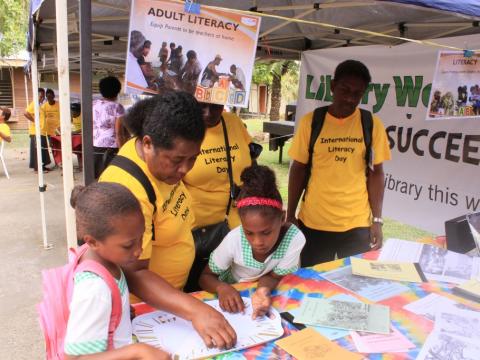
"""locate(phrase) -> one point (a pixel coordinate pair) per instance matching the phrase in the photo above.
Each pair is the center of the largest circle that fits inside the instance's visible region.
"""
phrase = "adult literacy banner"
(209, 54)
(434, 172)
(456, 91)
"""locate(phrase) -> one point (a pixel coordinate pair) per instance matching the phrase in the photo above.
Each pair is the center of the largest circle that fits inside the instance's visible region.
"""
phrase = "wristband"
(377, 220)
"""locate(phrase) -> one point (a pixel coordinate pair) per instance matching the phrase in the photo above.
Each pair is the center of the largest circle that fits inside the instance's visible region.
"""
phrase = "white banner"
(434, 174)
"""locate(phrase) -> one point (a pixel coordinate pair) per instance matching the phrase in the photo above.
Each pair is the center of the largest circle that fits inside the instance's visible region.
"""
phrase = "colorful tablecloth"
(308, 281)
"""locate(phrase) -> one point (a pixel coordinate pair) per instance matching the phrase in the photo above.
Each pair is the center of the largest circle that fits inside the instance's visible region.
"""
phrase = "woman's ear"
(147, 142)
(284, 216)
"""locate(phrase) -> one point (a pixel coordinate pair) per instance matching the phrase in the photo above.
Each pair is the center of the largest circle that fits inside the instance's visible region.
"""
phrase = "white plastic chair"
(3, 159)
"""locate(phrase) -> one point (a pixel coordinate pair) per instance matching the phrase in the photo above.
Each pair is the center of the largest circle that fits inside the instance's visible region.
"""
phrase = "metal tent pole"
(65, 122)
(41, 182)
(86, 88)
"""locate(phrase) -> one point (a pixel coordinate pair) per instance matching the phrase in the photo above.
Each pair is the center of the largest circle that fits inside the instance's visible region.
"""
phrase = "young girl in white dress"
(264, 247)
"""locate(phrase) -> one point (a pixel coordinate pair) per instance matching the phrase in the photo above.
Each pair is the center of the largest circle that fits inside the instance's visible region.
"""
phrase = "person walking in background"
(51, 109)
(30, 115)
(341, 172)
(5, 134)
(107, 132)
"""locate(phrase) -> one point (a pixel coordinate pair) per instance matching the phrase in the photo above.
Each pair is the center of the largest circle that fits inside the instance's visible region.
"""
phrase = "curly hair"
(165, 117)
(110, 87)
(98, 204)
(352, 68)
(259, 181)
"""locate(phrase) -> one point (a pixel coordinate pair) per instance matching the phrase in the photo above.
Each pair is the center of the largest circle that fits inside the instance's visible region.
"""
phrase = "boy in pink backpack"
(96, 324)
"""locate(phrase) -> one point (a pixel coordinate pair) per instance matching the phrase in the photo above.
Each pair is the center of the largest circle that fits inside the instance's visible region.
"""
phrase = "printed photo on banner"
(456, 86)
(210, 54)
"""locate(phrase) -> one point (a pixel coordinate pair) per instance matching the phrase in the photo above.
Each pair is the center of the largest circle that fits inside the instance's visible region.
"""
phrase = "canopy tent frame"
(286, 36)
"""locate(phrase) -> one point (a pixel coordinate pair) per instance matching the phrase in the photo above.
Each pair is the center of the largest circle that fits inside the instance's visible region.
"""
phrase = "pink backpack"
(57, 293)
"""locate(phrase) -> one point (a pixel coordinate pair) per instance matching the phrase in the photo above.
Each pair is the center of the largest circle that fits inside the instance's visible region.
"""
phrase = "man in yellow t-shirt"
(5, 134)
(30, 115)
(341, 212)
(51, 110)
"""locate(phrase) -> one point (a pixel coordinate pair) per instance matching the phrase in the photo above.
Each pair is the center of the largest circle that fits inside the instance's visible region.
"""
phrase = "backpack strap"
(367, 128)
(318, 119)
(136, 171)
(116, 315)
(229, 169)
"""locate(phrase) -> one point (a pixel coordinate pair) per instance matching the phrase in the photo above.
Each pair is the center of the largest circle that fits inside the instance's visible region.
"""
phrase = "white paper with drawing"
(437, 264)
(348, 315)
(370, 288)
(177, 336)
(455, 337)
(431, 304)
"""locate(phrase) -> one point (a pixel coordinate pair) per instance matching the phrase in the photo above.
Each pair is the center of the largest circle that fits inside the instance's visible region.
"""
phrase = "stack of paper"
(369, 288)
(469, 290)
(437, 263)
(431, 304)
(376, 343)
(397, 271)
(308, 344)
(347, 315)
(456, 335)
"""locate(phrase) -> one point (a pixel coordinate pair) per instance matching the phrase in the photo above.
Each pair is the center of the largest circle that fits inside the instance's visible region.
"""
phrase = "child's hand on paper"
(261, 302)
(229, 298)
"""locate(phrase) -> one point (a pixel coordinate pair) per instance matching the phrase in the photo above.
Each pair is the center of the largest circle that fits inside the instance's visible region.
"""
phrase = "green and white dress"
(233, 259)
(90, 310)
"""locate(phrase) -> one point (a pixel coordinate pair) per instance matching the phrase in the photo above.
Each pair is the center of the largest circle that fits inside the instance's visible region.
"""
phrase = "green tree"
(13, 25)
(271, 74)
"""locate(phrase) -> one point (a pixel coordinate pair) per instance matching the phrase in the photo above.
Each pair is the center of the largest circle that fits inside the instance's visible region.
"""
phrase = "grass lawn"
(391, 227)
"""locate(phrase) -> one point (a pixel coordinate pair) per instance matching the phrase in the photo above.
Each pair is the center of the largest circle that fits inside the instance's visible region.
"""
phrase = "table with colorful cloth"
(56, 145)
(308, 281)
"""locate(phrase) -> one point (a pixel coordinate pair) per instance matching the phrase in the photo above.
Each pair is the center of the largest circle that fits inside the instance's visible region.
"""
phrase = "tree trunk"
(277, 91)
(276, 98)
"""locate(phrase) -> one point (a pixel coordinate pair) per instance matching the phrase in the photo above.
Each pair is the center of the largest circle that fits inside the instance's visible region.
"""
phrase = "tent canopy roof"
(279, 38)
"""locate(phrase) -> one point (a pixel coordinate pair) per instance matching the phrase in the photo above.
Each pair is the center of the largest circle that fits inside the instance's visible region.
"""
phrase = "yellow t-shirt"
(52, 117)
(5, 130)
(172, 252)
(31, 126)
(208, 181)
(77, 123)
(337, 197)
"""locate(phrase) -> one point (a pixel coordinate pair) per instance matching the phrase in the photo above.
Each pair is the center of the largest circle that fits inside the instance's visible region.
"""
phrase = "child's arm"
(261, 300)
(229, 298)
(130, 352)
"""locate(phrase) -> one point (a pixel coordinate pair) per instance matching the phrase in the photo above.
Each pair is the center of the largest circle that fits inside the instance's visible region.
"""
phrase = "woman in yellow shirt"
(5, 134)
(165, 148)
(168, 130)
(209, 182)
